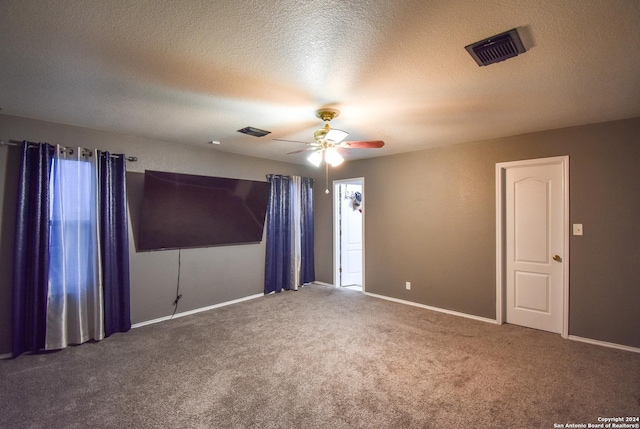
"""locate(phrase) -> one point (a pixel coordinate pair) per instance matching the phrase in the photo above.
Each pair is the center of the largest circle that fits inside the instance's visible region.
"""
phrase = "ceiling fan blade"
(302, 150)
(291, 141)
(373, 144)
(336, 135)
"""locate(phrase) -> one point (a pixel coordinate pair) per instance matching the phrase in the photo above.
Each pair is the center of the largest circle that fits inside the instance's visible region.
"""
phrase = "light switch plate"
(577, 229)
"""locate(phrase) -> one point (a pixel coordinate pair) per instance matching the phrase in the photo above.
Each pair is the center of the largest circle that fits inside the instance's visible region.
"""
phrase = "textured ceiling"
(188, 71)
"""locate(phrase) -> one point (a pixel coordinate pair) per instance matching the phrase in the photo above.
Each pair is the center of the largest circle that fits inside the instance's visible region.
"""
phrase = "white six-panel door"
(535, 244)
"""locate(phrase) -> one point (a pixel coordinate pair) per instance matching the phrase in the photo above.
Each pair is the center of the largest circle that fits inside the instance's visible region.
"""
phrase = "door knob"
(557, 258)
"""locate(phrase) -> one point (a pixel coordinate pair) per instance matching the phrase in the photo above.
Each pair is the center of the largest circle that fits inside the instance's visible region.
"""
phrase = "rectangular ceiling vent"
(256, 132)
(497, 48)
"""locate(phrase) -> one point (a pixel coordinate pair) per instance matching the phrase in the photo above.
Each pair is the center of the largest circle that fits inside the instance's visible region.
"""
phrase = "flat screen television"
(185, 211)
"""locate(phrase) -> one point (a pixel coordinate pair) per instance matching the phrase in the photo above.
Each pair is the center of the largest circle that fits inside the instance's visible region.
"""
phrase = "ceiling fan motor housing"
(327, 114)
(320, 134)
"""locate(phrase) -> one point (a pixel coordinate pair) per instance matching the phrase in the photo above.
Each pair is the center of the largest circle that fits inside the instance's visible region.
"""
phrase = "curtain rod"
(84, 152)
(272, 174)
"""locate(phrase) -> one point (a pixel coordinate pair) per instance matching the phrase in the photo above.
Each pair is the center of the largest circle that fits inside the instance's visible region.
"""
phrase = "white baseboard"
(197, 310)
(484, 319)
(604, 344)
(400, 301)
(428, 307)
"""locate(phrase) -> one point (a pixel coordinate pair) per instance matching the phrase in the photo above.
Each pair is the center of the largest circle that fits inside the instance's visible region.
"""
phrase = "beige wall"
(207, 276)
(430, 219)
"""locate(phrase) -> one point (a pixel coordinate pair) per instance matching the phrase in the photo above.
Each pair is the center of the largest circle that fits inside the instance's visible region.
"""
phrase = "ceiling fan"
(329, 141)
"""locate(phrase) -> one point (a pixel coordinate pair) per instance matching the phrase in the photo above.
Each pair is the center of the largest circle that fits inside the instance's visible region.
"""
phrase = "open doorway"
(348, 228)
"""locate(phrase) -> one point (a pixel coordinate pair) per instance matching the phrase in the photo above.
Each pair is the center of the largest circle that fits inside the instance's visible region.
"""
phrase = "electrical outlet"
(408, 285)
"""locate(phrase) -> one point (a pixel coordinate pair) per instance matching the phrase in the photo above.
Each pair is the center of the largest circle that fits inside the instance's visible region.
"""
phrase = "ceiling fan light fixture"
(337, 162)
(327, 141)
(315, 158)
(331, 156)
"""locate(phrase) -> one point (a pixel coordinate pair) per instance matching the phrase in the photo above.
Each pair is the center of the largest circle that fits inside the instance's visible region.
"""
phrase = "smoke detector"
(496, 48)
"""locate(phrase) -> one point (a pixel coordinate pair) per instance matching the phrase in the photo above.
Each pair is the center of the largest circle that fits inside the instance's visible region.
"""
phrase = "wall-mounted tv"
(185, 211)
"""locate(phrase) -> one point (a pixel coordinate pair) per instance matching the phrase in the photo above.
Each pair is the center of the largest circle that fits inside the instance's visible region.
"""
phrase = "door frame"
(336, 229)
(501, 283)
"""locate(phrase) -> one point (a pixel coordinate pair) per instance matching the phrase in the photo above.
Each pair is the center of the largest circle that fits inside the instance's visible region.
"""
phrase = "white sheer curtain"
(74, 306)
(296, 248)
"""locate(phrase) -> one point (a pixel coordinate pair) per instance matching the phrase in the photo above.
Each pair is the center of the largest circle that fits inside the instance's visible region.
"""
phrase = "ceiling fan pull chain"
(326, 170)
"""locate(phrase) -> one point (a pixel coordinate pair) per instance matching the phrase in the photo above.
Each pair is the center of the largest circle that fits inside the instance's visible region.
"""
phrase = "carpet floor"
(321, 357)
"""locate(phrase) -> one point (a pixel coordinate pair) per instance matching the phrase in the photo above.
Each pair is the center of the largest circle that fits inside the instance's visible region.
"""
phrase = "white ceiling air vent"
(496, 48)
